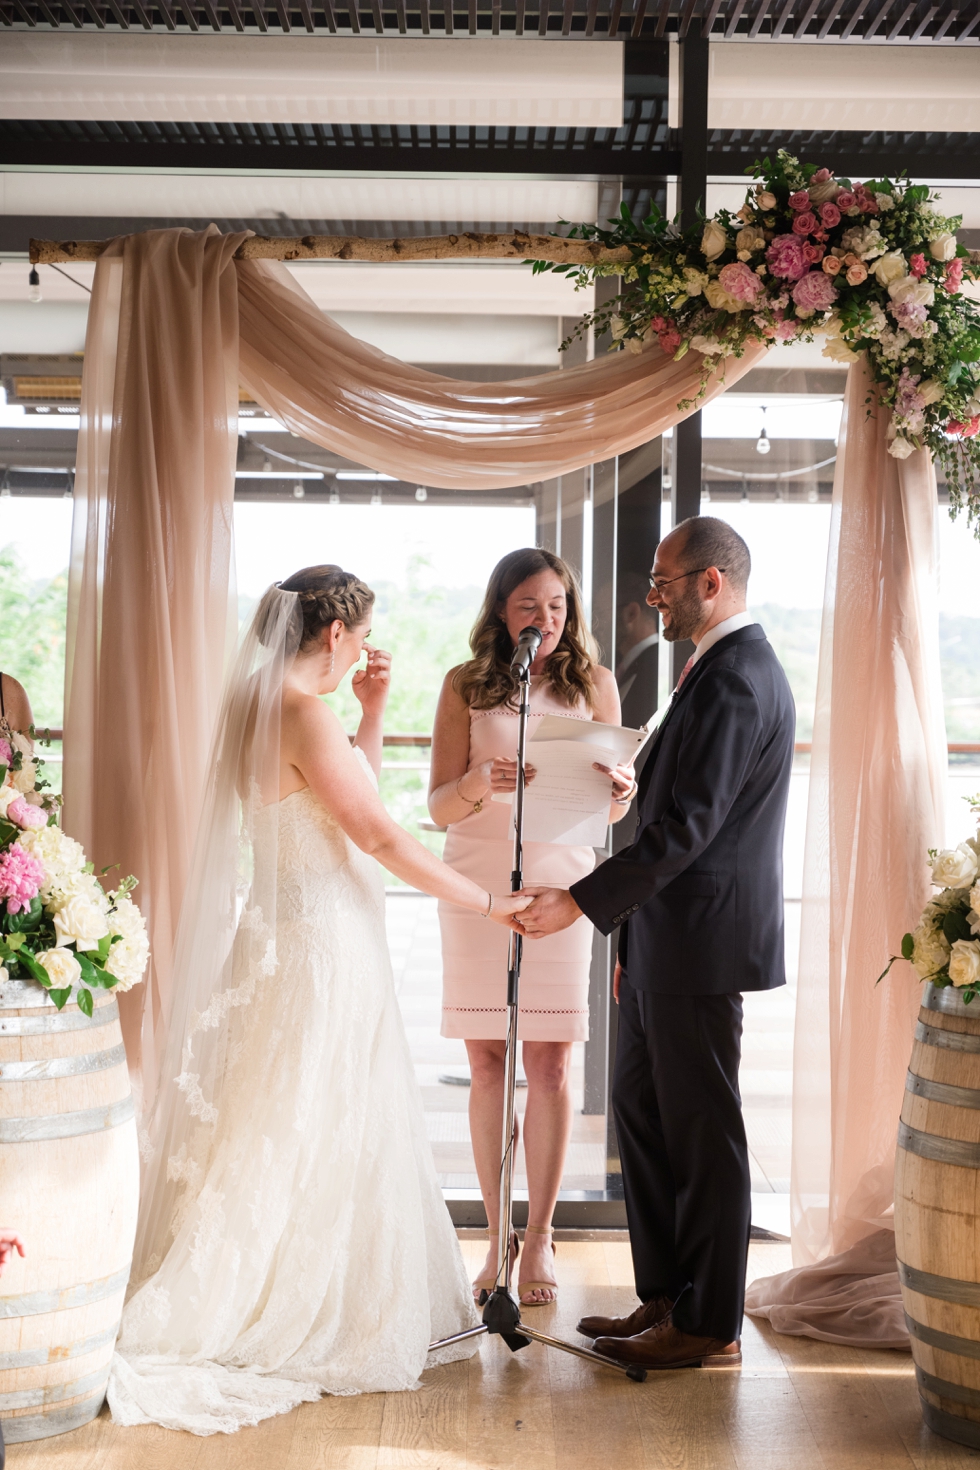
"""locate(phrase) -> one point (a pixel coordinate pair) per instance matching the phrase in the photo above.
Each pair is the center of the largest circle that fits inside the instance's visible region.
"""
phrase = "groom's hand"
(553, 909)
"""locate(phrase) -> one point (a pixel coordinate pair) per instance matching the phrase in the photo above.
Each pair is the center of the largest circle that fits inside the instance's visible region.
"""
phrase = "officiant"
(474, 746)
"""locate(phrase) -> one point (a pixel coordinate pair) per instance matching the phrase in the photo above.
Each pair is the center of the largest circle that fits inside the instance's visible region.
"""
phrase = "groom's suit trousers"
(684, 1155)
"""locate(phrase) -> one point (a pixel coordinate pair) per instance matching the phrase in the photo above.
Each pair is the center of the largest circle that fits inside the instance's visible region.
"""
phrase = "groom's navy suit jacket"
(699, 893)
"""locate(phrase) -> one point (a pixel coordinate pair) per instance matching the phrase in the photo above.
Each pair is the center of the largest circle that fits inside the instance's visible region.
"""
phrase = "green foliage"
(32, 635)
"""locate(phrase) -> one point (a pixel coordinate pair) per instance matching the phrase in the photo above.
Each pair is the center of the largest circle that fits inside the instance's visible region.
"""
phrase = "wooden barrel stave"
(67, 1155)
(937, 1209)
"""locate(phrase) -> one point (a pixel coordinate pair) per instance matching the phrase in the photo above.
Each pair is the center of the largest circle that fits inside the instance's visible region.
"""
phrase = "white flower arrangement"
(58, 925)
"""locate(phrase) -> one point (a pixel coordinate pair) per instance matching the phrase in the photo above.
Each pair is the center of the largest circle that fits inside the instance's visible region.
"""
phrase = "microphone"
(528, 644)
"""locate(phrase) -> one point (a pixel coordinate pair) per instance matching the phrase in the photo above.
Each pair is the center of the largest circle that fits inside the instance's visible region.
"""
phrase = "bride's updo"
(328, 594)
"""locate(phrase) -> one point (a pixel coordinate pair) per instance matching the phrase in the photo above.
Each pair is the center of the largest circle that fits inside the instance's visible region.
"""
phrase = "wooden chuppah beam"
(515, 245)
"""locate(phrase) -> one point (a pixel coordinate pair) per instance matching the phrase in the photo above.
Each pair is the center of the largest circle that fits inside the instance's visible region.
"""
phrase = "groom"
(699, 900)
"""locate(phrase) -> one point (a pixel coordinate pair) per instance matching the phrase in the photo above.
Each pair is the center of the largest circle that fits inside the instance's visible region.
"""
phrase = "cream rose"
(749, 240)
(765, 200)
(964, 962)
(723, 300)
(62, 967)
(714, 241)
(80, 923)
(917, 293)
(930, 390)
(24, 778)
(943, 247)
(823, 193)
(890, 267)
(955, 867)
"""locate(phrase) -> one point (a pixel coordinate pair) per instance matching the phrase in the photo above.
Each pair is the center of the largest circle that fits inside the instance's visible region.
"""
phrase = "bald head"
(705, 541)
(701, 573)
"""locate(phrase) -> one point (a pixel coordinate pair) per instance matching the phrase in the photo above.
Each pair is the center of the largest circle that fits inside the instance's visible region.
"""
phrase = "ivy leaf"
(84, 1001)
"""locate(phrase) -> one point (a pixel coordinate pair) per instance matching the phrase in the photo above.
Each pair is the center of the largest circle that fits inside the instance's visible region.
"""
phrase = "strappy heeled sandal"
(530, 1286)
(486, 1284)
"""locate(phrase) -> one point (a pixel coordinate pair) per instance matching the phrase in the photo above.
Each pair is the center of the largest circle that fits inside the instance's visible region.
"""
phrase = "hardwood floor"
(795, 1405)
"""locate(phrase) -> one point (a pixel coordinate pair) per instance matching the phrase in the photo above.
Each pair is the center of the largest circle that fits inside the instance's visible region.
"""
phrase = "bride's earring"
(333, 658)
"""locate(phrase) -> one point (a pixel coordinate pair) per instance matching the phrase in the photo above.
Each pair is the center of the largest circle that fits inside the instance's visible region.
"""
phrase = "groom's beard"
(687, 615)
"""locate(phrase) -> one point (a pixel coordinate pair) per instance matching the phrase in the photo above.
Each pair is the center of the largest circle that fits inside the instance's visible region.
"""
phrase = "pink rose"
(815, 292)
(804, 224)
(829, 215)
(917, 265)
(785, 257)
(658, 324)
(821, 176)
(814, 253)
(865, 200)
(954, 276)
(965, 431)
(26, 815)
(831, 264)
(799, 200)
(669, 341)
(741, 281)
(856, 274)
(845, 200)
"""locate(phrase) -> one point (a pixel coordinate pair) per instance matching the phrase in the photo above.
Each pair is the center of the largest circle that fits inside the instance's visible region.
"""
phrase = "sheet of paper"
(568, 802)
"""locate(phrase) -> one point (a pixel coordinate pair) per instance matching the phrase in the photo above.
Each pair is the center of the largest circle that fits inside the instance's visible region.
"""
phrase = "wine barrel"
(69, 1186)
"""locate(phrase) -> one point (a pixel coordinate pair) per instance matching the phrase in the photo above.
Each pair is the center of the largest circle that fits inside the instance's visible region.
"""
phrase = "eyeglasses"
(659, 583)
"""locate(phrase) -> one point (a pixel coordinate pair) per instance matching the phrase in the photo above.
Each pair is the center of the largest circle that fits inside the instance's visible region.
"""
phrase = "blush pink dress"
(554, 995)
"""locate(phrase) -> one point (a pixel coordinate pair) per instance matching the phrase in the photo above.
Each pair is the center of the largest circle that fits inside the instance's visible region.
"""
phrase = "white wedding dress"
(312, 1251)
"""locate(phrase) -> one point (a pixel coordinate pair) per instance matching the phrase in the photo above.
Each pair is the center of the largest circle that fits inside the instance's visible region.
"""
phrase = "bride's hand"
(505, 906)
(371, 685)
(500, 774)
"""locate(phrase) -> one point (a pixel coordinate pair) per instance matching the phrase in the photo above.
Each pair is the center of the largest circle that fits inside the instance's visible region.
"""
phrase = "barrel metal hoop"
(36, 1303)
(940, 1150)
(67, 1125)
(947, 1040)
(940, 1092)
(54, 1393)
(26, 1427)
(951, 1426)
(39, 1357)
(949, 1000)
(90, 1061)
(58, 1021)
(943, 1288)
(957, 1393)
(945, 1342)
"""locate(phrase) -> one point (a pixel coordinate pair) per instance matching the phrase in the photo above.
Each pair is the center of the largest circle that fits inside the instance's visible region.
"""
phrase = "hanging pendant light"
(762, 445)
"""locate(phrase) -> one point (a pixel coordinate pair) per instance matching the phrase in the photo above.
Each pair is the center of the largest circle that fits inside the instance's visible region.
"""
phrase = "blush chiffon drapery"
(175, 325)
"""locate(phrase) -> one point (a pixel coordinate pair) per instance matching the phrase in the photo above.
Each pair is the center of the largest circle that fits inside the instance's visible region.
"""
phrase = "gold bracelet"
(476, 805)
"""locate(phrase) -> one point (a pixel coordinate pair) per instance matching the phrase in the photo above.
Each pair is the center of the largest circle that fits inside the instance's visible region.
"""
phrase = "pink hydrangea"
(21, 877)
(829, 215)
(6, 754)
(24, 814)
(805, 224)
(799, 200)
(741, 281)
(785, 257)
(845, 201)
(954, 276)
(815, 292)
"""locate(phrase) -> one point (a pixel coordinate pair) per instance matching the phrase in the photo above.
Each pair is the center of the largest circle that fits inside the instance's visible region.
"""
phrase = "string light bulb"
(34, 285)
(762, 445)
(421, 493)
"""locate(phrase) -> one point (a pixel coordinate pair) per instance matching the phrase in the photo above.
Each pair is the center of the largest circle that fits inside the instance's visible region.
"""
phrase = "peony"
(129, 955)
(81, 923)
(815, 292)
(785, 257)
(857, 274)
(964, 962)
(714, 241)
(741, 282)
(943, 247)
(930, 948)
(805, 224)
(8, 795)
(838, 351)
(955, 867)
(6, 753)
(799, 200)
(829, 215)
(20, 878)
(26, 814)
(954, 276)
(62, 967)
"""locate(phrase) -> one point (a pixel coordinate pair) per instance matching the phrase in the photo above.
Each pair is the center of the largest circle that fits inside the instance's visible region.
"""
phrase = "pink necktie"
(684, 672)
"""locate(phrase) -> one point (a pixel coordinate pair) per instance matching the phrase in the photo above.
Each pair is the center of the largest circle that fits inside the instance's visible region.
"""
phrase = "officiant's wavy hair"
(486, 680)
(327, 594)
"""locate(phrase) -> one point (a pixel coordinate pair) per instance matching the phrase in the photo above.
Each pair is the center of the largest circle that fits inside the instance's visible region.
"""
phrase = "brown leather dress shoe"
(665, 1346)
(647, 1314)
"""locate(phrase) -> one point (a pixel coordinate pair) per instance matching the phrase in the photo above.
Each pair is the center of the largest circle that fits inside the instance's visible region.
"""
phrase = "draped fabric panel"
(876, 804)
(150, 575)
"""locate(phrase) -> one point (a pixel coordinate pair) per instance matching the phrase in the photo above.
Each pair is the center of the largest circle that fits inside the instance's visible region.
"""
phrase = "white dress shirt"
(721, 630)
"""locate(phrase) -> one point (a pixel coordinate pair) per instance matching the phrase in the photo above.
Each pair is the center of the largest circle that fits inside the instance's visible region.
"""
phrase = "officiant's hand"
(552, 909)
(371, 685)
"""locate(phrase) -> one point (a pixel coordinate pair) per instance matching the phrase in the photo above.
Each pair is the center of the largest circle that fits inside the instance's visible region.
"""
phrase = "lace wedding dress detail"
(312, 1251)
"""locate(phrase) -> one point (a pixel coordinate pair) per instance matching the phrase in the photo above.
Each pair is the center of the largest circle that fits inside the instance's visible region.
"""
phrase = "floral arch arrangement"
(874, 267)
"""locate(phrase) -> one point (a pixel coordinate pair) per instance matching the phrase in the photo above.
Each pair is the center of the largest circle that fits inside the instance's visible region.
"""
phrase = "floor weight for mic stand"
(501, 1311)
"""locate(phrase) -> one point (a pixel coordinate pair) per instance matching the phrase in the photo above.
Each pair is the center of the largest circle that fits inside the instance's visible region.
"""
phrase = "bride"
(292, 1239)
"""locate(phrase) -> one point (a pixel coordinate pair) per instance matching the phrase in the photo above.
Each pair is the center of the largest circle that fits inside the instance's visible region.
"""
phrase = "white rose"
(823, 193)
(918, 293)
(943, 247)
(714, 241)
(930, 948)
(955, 867)
(975, 897)
(723, 300)
(890, 267)
(80, 923)
(838, 351)
(964, 962)
(24, 778)
(62, 967)
(931, 390)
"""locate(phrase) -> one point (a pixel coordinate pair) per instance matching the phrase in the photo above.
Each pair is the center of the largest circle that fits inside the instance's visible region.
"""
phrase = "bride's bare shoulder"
(305, 716)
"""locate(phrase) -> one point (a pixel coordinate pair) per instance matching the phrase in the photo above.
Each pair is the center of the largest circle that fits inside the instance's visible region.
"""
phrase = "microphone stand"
(501, 1309)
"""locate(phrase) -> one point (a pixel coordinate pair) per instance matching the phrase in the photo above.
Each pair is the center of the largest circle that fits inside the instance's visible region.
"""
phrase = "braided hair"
(328, 594)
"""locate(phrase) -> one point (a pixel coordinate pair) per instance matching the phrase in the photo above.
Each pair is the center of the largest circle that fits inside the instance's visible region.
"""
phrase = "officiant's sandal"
(487, 1283)
(526, 1288)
